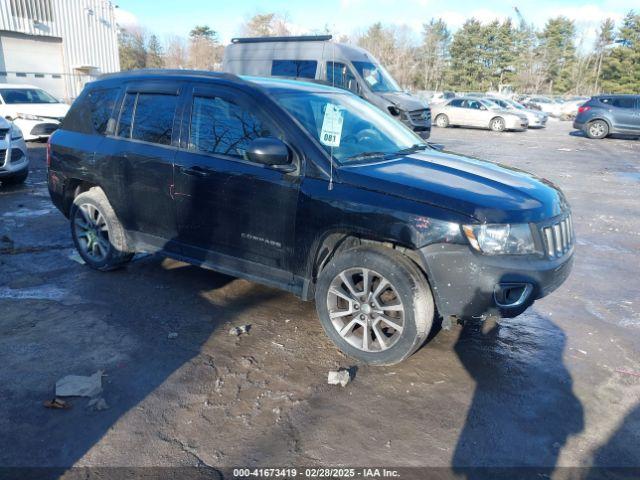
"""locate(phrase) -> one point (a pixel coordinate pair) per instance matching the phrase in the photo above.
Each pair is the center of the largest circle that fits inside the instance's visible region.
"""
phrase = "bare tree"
(266, 25)
(176, 53)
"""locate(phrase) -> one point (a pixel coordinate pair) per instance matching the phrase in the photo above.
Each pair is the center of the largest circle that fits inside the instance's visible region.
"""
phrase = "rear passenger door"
(141, 150)
(624, 113)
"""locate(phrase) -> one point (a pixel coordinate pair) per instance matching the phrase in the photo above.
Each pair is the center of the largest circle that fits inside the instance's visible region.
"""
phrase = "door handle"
(196, 171)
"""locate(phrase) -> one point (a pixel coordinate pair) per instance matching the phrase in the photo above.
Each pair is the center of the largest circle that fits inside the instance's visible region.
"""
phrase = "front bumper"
(419, 121)
(536, 122)
(516, 123)
(13, 157)
(36, 129)
(467, 284)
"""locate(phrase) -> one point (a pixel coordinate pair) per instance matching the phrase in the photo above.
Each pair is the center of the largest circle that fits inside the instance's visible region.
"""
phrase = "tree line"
(477, 57)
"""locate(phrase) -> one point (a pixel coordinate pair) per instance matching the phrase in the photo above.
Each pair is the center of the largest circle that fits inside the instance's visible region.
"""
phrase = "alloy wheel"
(92, 232)
(597, 129)
(365, 309)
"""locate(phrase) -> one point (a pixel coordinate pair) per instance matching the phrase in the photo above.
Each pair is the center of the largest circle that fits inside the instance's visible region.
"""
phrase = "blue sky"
(348, 17)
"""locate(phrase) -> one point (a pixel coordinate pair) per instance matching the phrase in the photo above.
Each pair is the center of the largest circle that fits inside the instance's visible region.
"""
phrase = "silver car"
(537, 118)
(14, 159)
(478, 112)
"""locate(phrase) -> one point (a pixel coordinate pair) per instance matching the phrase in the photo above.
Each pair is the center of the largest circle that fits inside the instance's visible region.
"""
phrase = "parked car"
(547, 105)
(603, 115)
(317, 58)
(309, 189)
(14, 158)
(37, 113)
(536, 118)
(478, 112)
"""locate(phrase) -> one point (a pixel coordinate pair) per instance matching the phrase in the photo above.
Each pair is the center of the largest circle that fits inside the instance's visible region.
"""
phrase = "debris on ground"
(248, 362)
(57, 403)
(75, 256)
(98, 404)
(79, 386)
(340, 377)
(172, 335)
(237, 331)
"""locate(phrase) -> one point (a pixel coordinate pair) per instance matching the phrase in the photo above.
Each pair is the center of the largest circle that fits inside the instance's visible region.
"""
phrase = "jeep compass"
(309, 189)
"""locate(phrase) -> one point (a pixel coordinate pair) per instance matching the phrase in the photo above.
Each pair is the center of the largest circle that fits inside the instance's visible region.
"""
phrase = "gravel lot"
(558, 386)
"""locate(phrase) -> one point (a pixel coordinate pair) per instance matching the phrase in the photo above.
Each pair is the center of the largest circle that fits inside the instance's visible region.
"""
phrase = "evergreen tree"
(468, 70)
(155, 55)
(557, 52)
(434, 53)
(621, 67)
(132, 50)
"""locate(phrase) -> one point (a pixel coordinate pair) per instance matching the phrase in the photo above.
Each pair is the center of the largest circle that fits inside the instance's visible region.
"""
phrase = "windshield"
(514, 104)
(352, 127)
(491, 104)
(377, 78)
(26, 95)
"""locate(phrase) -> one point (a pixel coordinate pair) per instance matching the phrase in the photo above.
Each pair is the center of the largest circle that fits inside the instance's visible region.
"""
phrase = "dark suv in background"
(310, 189)
(603, 115)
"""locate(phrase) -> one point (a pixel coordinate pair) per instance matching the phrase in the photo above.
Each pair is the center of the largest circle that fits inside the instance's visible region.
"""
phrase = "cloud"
(126, 19)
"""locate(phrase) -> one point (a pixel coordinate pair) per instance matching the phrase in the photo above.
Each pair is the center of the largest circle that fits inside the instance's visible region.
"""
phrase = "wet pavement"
(557, 387)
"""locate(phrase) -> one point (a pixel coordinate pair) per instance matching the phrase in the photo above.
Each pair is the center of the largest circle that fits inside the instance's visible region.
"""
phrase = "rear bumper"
(466, 284)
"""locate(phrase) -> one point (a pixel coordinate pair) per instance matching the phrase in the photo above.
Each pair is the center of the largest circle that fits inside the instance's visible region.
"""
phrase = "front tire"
(497, 124)
(597, 129)
(374, 304)
(442, 121)
(97, 232)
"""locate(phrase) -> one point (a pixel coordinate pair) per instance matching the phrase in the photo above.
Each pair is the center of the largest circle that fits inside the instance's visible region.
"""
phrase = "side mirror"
(270, 151)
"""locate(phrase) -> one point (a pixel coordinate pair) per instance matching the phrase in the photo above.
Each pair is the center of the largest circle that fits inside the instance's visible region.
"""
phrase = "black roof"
(304, 38)
(270, 84)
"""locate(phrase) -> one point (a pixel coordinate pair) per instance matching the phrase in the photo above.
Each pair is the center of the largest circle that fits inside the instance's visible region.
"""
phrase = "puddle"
(632, 176)
(41, 292)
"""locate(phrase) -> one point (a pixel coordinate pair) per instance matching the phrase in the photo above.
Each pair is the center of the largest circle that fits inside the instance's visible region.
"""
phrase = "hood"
(482, 190)
(503, 111)
(404, 101)
(47, 110)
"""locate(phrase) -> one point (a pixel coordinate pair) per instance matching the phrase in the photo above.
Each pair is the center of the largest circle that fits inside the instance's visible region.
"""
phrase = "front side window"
(219, 126)
(377, 78)
(357, 128)
(26, 95)
(294, 68)
(339, 75)
(147, 117)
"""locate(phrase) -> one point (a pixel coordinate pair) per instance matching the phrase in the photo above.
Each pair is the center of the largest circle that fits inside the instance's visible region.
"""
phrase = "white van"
(317, 58)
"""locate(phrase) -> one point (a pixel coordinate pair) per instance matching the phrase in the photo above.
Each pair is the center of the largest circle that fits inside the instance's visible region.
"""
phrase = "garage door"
(33, 60)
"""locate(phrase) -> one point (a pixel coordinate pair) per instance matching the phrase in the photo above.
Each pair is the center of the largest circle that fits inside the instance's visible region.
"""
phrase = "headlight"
(496, 239)
(28, 116)
(16, 133)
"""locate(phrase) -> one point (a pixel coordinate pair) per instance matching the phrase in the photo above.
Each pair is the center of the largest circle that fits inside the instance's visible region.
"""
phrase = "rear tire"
(597, 129)
(385, 311)
(442, 121)
(16, 179)
(97, 233)
(497, 124)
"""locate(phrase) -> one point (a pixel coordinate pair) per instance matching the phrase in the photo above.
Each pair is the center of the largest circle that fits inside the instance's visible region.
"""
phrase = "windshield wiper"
(359, 156)
(412, 149)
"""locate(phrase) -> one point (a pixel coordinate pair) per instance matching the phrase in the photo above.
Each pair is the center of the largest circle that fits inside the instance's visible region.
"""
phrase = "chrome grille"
(558, 237)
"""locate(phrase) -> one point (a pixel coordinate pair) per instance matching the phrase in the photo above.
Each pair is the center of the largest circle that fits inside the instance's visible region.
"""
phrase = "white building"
(57, 45)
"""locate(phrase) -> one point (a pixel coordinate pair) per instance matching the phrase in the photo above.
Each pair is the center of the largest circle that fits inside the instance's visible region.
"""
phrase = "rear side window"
(619, 102)
(101, 104)
(147, 117)
(294, 68)
(91, 112)
(455, 103)
(221, 127)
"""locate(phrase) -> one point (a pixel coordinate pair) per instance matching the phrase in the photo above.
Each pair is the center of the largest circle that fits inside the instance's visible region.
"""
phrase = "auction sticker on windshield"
(332, 126)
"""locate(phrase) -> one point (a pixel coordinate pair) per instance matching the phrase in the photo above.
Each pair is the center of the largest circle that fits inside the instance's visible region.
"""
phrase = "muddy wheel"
(97, 232)
(597, 129)
(497, 124)
(442, 121)
(374, 304)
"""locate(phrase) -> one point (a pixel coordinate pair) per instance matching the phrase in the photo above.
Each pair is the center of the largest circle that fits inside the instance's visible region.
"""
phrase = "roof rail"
(303, 38)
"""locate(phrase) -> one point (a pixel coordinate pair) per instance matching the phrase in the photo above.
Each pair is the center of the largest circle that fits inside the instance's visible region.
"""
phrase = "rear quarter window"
(91, 112)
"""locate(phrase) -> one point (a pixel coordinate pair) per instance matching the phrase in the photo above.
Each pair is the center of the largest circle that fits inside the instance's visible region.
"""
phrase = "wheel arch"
(73, 188)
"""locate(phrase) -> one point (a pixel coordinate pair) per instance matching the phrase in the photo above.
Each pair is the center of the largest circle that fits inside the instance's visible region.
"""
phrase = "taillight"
(583, 109)
(48, 152)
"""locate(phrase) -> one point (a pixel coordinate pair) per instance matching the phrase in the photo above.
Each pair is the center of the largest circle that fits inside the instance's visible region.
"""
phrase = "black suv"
(309, 189)
(603, 115)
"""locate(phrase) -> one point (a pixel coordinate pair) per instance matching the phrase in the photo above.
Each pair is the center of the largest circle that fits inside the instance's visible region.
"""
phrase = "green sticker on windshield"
(331, 126)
